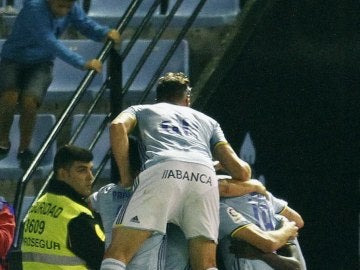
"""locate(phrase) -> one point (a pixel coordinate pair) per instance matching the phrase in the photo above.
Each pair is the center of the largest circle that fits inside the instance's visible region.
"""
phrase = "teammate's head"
(173, 88)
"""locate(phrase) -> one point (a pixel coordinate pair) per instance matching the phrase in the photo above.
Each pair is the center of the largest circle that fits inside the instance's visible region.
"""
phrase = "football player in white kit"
(178, 183)
(109, 199)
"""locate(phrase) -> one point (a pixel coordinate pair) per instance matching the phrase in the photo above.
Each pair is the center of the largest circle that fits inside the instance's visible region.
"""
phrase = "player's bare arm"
(293, 215)
(267, 241)
(233, 187)
(120, 127)
(237, 168)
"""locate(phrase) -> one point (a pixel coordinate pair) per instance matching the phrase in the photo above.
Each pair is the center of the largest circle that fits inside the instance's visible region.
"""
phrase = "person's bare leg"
(29, 107)
(202, 253)
(8, 102)
(125, 243)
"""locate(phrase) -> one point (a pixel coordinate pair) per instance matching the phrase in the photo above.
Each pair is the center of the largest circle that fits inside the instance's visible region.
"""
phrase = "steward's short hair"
(172, 86)
(68, 154)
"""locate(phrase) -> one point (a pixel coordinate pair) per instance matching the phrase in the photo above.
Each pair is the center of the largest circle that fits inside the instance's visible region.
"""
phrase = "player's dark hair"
(172, 87)
(68, 154)
(134, 159)
(134, 155)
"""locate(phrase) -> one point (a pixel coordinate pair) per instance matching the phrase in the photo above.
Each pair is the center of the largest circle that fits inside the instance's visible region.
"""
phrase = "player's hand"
(259, 187)
(93, 64)
(291, 228)
(114, 36)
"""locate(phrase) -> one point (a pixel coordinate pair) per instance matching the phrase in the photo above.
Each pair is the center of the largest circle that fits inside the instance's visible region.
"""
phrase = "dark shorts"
(26, 79)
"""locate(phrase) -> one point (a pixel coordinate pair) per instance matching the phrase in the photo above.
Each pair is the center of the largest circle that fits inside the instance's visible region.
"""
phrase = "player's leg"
(8, 101)
(37, 79)
(125, 243)
(145, 213)
(29, 106)
(151, 255)
(9, 95)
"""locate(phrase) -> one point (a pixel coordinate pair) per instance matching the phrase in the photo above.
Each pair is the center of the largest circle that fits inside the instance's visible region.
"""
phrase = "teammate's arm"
(237, 168)
(120, 127)
(232, 188)
(293, 215)
(266, 241)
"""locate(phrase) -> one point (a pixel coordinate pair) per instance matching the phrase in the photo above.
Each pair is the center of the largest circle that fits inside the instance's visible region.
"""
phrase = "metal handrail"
(80, 91)
(172, 49)
(163, 64)
(140, 28)
(77, 132)
(150, 47)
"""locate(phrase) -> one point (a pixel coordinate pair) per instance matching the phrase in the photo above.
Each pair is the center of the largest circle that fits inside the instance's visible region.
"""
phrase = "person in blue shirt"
(27, 59)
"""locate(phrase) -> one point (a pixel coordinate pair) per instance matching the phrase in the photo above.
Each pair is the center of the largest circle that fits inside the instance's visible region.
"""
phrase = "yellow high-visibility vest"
(45, 233)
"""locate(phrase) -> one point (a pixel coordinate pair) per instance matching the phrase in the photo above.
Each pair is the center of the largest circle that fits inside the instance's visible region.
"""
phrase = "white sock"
(212, 268)
(112, 264)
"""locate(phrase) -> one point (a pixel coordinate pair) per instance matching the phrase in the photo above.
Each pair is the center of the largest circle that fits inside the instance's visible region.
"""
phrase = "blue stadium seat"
(9, 165)
(86, 136)
(214, 12)
(67, 78)
(179, 62)
(109, 12)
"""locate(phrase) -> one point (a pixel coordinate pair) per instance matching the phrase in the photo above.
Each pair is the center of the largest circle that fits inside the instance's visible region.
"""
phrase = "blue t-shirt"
(34, 36)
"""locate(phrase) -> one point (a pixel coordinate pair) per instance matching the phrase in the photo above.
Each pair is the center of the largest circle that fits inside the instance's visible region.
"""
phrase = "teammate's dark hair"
(134, 156)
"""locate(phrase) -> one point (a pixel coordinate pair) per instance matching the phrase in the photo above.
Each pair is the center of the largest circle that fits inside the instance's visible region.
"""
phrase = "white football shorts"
(182, 193)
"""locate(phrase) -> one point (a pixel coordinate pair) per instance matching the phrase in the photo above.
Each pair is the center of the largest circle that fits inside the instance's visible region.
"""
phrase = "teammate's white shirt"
(173, 132)
(178, 141)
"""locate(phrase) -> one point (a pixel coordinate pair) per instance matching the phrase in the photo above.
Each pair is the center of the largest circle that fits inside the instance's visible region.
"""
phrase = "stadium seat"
(9, 165)
(179, 62)
(109, 12)
(67, 78)
(214, 12)
(87, 135)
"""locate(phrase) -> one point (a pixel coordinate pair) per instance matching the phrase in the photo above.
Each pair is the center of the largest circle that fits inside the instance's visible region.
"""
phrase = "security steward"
(60, 232)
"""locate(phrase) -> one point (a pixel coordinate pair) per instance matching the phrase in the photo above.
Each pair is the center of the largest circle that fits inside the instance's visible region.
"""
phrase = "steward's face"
(79, 176)
(61, 8)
